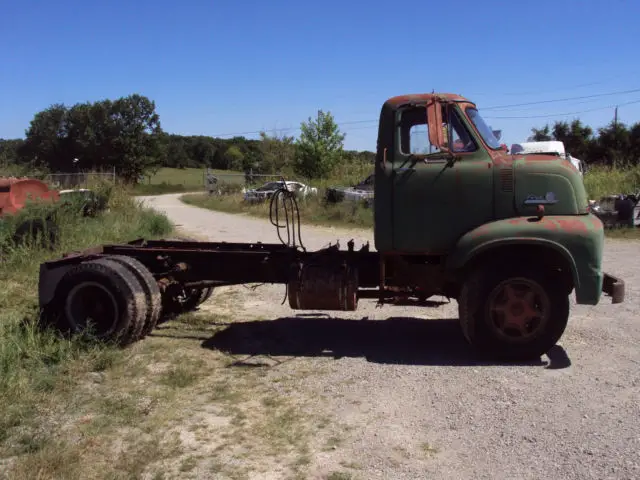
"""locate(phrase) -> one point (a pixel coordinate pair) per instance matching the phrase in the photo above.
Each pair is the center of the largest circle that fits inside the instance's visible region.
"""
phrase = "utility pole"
(615, 133)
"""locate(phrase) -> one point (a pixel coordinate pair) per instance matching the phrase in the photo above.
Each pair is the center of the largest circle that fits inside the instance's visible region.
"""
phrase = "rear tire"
(105, 290)
(515, 312)
(151, 290)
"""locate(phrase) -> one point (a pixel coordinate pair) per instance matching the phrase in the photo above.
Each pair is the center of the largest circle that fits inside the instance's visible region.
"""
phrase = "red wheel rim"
(518, 309)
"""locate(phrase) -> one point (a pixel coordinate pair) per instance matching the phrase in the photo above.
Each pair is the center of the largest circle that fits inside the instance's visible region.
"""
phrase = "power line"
(535, 108)
(286, 129)
(562, 99)
(567, 87)
(566, 113)
(355, 122)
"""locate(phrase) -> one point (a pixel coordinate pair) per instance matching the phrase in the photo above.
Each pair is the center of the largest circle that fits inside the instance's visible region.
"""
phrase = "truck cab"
(452, 204)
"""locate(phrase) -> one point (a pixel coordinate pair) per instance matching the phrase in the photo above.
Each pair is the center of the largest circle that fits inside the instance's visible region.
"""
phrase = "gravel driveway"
(416, 405)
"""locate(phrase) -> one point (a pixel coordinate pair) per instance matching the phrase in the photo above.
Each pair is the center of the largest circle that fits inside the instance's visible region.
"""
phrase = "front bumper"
(613, 287)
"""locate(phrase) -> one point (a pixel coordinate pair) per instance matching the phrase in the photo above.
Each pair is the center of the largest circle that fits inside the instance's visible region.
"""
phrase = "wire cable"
(565, 113)
(539, 102)
(483, 109)
(282, 196)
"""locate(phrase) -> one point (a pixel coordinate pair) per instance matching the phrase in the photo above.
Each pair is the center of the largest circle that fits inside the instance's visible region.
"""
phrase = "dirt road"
(402, 396)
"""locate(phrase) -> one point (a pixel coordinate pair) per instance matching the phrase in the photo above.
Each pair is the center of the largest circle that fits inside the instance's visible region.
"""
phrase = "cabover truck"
(509, 237)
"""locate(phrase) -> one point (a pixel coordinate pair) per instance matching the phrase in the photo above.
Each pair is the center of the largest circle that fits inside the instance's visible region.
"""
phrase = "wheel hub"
(518, 309)
(91, 305)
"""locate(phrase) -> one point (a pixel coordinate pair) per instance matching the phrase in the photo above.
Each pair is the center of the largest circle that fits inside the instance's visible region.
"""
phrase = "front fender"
(579, 239)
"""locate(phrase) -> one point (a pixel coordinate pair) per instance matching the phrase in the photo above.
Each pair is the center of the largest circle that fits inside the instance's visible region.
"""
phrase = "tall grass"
(34, 363)
(346, 174)
(600, 181)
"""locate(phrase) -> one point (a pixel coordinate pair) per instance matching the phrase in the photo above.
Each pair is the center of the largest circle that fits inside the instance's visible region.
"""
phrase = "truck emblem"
(548, 199)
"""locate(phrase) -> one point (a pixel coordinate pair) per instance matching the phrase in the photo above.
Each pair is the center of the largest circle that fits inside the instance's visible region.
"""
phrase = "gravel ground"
(416, 405)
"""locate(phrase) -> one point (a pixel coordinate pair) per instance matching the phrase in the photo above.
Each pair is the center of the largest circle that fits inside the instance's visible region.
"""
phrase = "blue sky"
(224, 67)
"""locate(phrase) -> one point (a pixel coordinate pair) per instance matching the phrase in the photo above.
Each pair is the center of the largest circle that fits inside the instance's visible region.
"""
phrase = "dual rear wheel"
(113, 299)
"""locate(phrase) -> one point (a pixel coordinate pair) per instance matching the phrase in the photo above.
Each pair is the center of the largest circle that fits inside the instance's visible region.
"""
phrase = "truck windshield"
(484, 129)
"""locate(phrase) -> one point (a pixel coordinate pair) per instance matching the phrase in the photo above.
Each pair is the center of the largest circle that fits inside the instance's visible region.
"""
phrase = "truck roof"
(423, 98)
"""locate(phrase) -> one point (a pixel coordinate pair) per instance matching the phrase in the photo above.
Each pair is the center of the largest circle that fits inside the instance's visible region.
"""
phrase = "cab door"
(437, 195)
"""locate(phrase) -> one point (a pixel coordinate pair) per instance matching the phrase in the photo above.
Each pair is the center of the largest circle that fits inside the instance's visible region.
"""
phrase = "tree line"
(126, 135)
(615, 145)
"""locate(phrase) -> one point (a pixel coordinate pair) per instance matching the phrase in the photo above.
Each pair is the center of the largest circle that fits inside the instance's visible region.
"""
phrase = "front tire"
(515, 312)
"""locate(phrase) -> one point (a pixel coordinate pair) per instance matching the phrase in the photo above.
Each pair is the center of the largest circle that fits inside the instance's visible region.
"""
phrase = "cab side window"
(414, 132)
(460, 139)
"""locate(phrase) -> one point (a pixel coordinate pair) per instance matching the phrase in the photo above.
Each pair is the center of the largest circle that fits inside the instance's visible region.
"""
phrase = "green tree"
(234, 158)
(576, 137)
(102, 135)
(320, 146)
(9, 151)
(581, 140)
(136, 128)
(540, 134)
(634, 141)
(277, 153)
(614, 145)
(46, 139)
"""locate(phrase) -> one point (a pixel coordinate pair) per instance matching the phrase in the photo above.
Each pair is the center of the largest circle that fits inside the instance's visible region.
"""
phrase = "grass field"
(42, 375)
(176, 180)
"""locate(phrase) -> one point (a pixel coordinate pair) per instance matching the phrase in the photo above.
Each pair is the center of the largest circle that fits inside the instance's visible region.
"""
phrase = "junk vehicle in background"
(620, 210)
(89, 202)
(363, 191)
(547, 148)
(15, 194)
(266, 191)
(509, 237)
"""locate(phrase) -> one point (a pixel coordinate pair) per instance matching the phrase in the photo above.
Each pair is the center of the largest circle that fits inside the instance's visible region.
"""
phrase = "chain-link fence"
(62, 181)
(217, 182)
